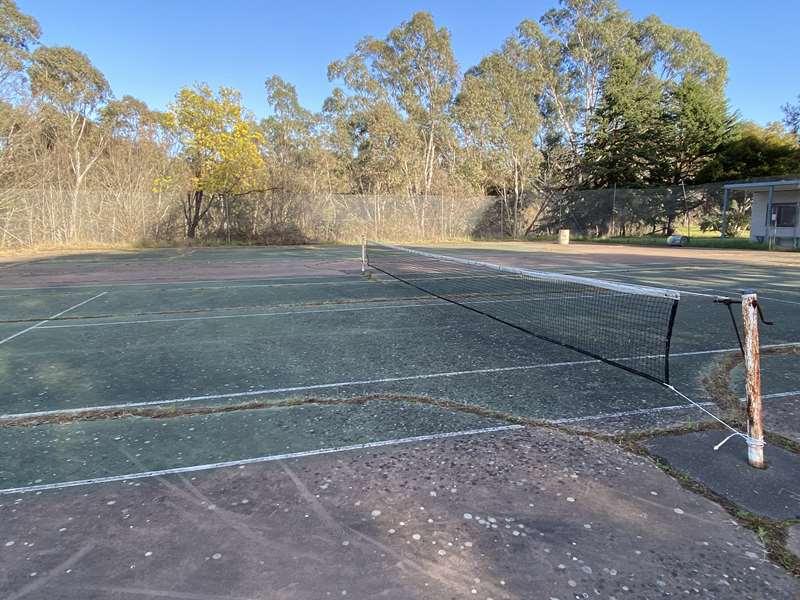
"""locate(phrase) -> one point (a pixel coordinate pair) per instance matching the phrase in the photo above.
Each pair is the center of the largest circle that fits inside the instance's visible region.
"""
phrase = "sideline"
(260, 459)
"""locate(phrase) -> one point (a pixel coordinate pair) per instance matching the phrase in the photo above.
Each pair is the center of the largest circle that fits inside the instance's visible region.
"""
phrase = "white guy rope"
(735, 432)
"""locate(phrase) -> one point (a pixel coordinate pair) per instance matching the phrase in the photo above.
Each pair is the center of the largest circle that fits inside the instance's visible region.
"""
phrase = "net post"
(363, 254)
(752, 363)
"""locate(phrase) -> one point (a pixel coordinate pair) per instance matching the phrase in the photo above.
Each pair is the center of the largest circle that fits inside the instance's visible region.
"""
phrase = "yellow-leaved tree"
(222, 146)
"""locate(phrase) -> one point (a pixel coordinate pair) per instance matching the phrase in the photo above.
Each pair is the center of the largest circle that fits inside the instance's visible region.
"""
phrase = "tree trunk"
(193, 213)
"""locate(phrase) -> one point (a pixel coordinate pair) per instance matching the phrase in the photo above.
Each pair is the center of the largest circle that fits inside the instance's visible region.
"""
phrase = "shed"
(775, 216)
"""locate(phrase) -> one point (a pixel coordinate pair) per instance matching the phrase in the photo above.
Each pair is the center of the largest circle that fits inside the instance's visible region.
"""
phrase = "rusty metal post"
(752, 363)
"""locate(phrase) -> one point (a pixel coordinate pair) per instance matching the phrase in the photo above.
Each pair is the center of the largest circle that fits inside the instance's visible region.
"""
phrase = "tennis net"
(629, 326)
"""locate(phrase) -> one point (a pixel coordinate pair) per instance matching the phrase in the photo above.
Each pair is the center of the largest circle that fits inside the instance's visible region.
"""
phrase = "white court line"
(682, 290)
(248, 315)
(359, 281)
(297, 312)
(354, 278)
(341, 384)
(647, 267)
(773, 290)
(720, 291)
(776, 395)
(724, 292)
(627, 413)
(702, 352)
(251, 461)
(19, 333)
(302, 388)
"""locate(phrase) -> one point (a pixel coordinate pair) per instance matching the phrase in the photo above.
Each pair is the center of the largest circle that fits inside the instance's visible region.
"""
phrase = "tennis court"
(199, 330)
(160, 367)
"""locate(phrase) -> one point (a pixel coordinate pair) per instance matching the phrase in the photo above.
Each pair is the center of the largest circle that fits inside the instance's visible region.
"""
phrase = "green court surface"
(216, 342)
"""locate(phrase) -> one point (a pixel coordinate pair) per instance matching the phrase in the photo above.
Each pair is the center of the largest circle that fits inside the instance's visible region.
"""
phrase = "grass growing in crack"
(772, 534)
(718, 384)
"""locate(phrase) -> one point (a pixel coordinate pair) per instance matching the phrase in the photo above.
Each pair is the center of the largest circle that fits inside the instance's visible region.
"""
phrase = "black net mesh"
(628, 326)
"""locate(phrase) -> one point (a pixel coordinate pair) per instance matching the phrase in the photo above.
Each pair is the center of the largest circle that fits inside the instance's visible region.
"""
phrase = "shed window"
(785, 215)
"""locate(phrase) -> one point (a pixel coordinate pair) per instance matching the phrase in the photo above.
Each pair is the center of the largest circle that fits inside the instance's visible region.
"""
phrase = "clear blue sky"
(151, 48)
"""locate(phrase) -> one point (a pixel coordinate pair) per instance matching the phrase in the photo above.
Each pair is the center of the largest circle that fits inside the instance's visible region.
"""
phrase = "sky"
(151, 48)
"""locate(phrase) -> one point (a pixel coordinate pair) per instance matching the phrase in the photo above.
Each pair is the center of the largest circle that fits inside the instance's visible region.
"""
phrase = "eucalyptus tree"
(573, 48)
(586, 48)
(19, 125)
(498, 111)
(137, 168)
(295, 148)
(401, 91)
(303, 169)
(19, 33)
(636, 102)
(646, 129)
(75, 91)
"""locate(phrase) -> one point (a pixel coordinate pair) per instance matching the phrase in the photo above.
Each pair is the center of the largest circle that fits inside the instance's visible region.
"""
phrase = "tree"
(792, 116)
(694, 117)
(299, 159)
(753, 151)
(18, 34)
(131, 119)
(638, 103)
(574, 58)
(411, 73)
(137, 170)
(657, 77)
(737, 220)
(499, 113)
(293, 139)
(694, 124)
(66, 80)
(619, 142)
(220, 142)
(674, 54)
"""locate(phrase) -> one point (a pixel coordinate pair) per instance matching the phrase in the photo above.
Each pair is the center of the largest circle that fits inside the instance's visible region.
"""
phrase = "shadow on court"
(269, 418)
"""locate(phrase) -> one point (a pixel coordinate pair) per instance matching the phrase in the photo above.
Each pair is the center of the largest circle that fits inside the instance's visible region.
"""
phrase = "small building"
(775, 216)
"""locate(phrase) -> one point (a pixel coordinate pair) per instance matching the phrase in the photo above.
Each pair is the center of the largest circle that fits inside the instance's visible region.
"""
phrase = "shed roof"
(756, 186)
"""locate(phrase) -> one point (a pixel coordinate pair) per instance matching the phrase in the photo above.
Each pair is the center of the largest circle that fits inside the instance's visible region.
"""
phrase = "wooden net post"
(752, 363)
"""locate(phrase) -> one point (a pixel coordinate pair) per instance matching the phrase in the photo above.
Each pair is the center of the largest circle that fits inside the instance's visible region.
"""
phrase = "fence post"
(723, 233)
(363, 254)
(752, 363)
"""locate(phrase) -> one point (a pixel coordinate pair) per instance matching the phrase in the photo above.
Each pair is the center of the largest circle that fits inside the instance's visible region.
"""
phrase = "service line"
(40, 323)
(424, 302)
(362, 382)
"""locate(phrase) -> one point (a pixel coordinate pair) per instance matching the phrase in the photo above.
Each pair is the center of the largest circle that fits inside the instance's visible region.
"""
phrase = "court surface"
(183, 363)
(268, 330)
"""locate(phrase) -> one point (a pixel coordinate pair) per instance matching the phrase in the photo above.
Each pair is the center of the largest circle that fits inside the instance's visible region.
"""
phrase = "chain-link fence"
(55, 217)
(618, 211)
